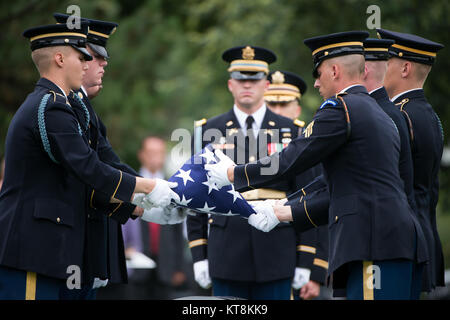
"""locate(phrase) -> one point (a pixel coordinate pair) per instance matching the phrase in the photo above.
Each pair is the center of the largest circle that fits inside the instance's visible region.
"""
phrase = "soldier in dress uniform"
(282, 97)
(43, 199)
(240, 260)
(376, 53)
(376, 56)
(358, 145)
(411, 59)
(105, 250)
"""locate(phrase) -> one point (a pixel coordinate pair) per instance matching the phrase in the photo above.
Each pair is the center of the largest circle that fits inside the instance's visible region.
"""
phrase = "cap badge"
(277, 78)
(248, 53)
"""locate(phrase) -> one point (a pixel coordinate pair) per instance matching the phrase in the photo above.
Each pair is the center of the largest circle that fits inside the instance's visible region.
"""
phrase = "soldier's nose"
(317, 84)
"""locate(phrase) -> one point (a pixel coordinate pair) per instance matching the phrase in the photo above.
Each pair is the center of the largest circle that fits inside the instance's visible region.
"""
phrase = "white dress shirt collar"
(84, 91)
(65, 95)
(258, 116)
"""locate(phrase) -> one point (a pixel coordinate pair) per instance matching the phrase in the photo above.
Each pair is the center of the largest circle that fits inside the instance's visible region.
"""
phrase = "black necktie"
(249, 122)
(251, 148)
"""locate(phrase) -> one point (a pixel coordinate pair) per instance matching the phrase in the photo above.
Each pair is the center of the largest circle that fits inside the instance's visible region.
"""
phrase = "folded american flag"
(199, 194)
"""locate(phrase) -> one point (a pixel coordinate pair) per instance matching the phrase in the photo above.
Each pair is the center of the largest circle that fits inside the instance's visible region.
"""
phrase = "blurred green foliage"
(166, 70)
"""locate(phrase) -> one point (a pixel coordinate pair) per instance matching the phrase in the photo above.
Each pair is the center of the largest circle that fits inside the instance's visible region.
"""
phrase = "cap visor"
(245, 75)
(315, 73)
(98, 49)
(86, 54)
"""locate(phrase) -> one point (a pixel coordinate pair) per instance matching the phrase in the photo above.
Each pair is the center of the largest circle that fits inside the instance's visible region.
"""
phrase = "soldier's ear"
(230, 85)
(59, 58)
(405, 69)
(335, 71)
(366, 71)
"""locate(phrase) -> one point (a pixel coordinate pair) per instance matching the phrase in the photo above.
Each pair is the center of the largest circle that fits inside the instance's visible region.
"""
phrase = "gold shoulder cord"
(347, 116)
(401, 105)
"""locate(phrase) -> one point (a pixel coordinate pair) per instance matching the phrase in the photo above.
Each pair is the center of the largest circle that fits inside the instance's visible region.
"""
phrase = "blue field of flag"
(199, 194)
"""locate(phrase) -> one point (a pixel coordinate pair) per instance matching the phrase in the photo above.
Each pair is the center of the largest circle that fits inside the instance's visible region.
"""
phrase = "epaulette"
(299, 123)
(328, 102)
(57, 94)
(200, 123)
(340, 94)
(402, 103)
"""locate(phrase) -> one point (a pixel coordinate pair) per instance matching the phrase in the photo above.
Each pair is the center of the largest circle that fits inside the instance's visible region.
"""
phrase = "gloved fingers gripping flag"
(200, 195)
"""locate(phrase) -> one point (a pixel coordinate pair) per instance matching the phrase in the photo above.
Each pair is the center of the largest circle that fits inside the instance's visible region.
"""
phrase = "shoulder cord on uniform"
(408, 121)
(41, 123)
(347, 116)
(86, 112)
(42, 129)
(439, 124)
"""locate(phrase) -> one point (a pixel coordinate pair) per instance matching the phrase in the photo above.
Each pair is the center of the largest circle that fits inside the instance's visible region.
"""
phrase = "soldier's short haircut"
(421, 71)
(353, 64)
(42, 57)
(378, 68)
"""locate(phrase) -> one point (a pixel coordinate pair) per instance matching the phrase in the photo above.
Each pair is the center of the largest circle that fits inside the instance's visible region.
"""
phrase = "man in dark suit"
(283, 98)
(239, 260)
(43, 199)
(411, 59)
(358, 145)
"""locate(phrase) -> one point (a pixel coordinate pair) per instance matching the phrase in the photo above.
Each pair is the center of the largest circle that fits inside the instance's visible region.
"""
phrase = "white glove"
(137, 199)
(218, 172)
(161, 195)
(201, 274)
(165, 215)
(265, 218)
(301, 277)
(138, 260)
(99, 283)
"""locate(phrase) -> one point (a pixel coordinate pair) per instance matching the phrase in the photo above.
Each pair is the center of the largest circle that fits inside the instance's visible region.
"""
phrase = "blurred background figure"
(166, 244)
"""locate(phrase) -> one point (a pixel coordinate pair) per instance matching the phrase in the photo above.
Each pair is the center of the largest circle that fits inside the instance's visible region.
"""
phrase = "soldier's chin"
(246, 103)
(76, 85)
